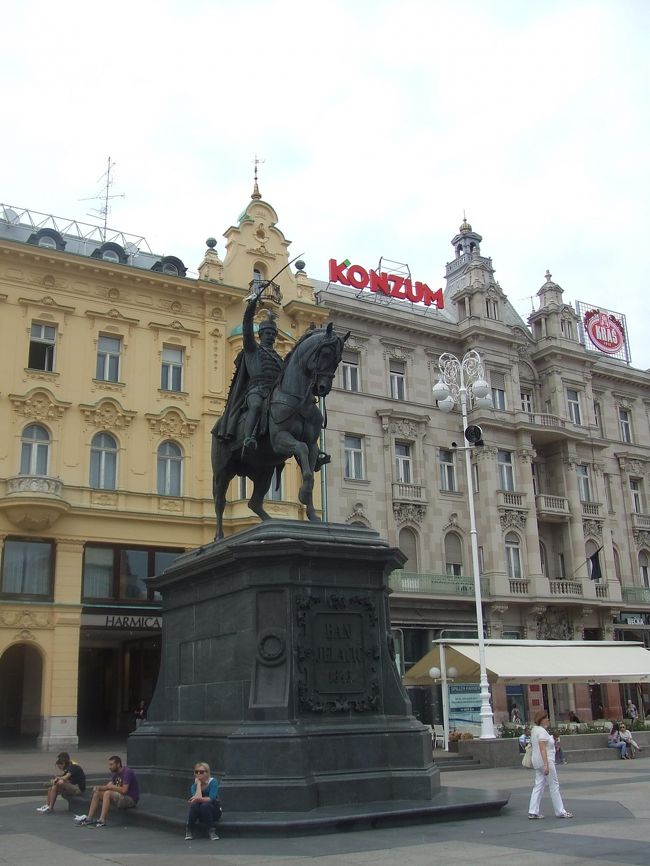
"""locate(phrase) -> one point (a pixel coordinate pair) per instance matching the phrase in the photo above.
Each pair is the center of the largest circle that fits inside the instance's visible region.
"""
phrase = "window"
(171, 376)
(608, 492)
(408, 544)
(542, 559)
(353, 458)
(453, 555)
(27, 567)
(350, 371)
(636, 489)
(119, 572)
(47, 242)
(397, 380)
(566, 328)
(170, 269)
(574, 405)
(644, 570)
(513, 555)
(534, 471)
(625, 425)
(526, 401)
(403, 467)
(591, 549)
(561, 564)
(274, 494)
(598, 417)
(491, 308)
(506, 473)
(111, 256)
(109, 350)
(584, 487)
(41, 347)
(498, 385)
(170, 469)
(617, 564)
(35, 450)
(447, 470)
(103, 462)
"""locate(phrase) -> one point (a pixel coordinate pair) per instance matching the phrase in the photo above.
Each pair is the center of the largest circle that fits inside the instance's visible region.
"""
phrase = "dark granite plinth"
(278, 670)
(448, 804)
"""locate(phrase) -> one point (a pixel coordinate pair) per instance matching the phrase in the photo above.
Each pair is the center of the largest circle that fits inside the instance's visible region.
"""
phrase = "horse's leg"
(261, 482)
(284, 443)
(222, 475)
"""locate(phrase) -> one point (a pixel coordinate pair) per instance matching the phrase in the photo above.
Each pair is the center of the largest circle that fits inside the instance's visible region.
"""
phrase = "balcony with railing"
(423, 583)
(34, 502)
(552, 508)
(636, 594)
(409, 492)
(510, 499)
(566, 588)
(640, 521)
(591, 509)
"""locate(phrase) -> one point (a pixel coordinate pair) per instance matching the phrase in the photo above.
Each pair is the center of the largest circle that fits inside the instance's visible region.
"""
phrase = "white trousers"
(541, 781)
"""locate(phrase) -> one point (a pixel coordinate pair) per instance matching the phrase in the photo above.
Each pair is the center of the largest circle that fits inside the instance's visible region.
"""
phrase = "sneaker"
(79, 819)
(532, 817)
(188, 835)
(566, 815)
(99, 824)
(44, 808)
(212, 833)
(87, 822)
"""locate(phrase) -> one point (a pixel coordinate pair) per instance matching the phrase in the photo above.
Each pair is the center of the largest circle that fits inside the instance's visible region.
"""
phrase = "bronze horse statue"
(293, 428)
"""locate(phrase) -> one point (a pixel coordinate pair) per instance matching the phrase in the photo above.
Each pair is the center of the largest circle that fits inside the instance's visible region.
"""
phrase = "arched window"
(644, 569)
(617, 565)
(543, 558)
(35, 450)
(170, 469)
(591, 548)
(408, 544)
(258, 278)
(513, 555)
(453, 554)
(103, 462)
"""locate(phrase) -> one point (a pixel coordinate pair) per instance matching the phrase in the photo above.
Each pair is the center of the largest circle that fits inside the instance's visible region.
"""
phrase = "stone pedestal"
(278, 670)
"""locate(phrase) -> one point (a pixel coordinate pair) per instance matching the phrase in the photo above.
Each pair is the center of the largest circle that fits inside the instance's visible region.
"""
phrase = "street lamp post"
(464, 381)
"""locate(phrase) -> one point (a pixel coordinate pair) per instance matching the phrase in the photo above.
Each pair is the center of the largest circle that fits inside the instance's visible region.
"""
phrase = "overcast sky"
(379, 123)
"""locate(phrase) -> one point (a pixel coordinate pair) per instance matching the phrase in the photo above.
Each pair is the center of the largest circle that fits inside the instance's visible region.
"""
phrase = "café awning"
(537, 661)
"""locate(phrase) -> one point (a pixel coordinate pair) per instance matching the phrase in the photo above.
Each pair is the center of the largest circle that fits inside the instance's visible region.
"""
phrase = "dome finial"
(256, 190)
(465, 226)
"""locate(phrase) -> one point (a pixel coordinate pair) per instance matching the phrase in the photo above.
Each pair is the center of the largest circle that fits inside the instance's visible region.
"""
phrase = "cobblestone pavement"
(611, 802)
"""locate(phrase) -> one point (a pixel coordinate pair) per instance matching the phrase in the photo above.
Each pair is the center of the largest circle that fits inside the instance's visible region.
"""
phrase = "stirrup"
(322, 460)
(249, 444)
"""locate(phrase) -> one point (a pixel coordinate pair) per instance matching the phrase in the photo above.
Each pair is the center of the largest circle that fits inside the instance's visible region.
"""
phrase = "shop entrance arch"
(21, 682)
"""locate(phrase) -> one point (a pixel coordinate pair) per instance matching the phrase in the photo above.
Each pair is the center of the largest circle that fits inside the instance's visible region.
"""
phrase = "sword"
(257, 292)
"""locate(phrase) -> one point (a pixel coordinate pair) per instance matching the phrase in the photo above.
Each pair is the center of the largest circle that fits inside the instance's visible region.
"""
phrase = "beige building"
(115, 366)
(562, 476)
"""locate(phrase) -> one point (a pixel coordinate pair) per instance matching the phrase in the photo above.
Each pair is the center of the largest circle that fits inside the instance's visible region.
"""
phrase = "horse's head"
(321, 353)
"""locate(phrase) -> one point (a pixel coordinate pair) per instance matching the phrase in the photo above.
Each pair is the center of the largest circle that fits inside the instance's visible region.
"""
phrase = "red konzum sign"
(387, 284)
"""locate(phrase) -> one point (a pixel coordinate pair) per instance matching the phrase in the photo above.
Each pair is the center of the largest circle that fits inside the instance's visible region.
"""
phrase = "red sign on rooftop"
(391, 285)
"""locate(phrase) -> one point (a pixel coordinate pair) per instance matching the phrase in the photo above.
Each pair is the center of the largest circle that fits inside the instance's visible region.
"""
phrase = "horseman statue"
(271, 413)
(256, 370)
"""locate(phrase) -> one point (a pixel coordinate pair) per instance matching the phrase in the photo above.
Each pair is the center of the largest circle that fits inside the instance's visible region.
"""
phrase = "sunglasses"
(196, 772)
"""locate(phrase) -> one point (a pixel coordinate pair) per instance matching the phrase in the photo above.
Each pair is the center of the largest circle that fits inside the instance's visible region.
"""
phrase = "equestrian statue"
(272, 413)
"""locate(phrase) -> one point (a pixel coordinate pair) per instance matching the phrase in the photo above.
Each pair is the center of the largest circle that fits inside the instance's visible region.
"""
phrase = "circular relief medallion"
(271, 646)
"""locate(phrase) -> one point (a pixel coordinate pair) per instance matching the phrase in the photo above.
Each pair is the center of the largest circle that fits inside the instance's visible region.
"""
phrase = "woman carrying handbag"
(543, 759)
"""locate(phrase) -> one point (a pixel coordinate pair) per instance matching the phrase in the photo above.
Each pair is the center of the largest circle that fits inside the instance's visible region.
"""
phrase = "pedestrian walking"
(545, 773)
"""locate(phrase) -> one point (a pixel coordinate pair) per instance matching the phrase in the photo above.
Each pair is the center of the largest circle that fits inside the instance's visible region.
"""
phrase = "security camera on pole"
(464, 382)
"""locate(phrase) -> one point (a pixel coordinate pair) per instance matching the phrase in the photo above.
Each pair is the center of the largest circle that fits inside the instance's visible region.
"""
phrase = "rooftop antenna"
(104, 195)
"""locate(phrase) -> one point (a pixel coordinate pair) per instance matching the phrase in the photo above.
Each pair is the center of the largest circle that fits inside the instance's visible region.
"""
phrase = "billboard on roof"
(603, 331)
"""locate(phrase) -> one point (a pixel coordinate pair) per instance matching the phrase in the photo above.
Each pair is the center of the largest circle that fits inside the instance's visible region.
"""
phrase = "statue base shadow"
(278, 670)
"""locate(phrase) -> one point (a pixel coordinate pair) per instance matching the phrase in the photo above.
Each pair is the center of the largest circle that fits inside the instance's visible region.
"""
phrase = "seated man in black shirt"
(71, 782)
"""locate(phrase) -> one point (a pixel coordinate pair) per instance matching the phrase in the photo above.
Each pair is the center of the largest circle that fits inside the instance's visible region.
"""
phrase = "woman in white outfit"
(545, 773)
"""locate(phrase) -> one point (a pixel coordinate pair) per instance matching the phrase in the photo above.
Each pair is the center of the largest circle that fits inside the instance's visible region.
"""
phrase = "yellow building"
(115, 366)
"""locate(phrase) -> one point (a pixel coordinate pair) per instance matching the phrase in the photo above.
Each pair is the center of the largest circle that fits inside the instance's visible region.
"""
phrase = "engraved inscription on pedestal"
(338, 653)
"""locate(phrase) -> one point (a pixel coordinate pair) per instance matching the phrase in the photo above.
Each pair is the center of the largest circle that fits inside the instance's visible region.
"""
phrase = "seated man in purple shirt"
(121, 791)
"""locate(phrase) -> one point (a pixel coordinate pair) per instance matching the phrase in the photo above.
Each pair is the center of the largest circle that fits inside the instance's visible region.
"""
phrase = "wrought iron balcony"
(423, 583)
(635, 594)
